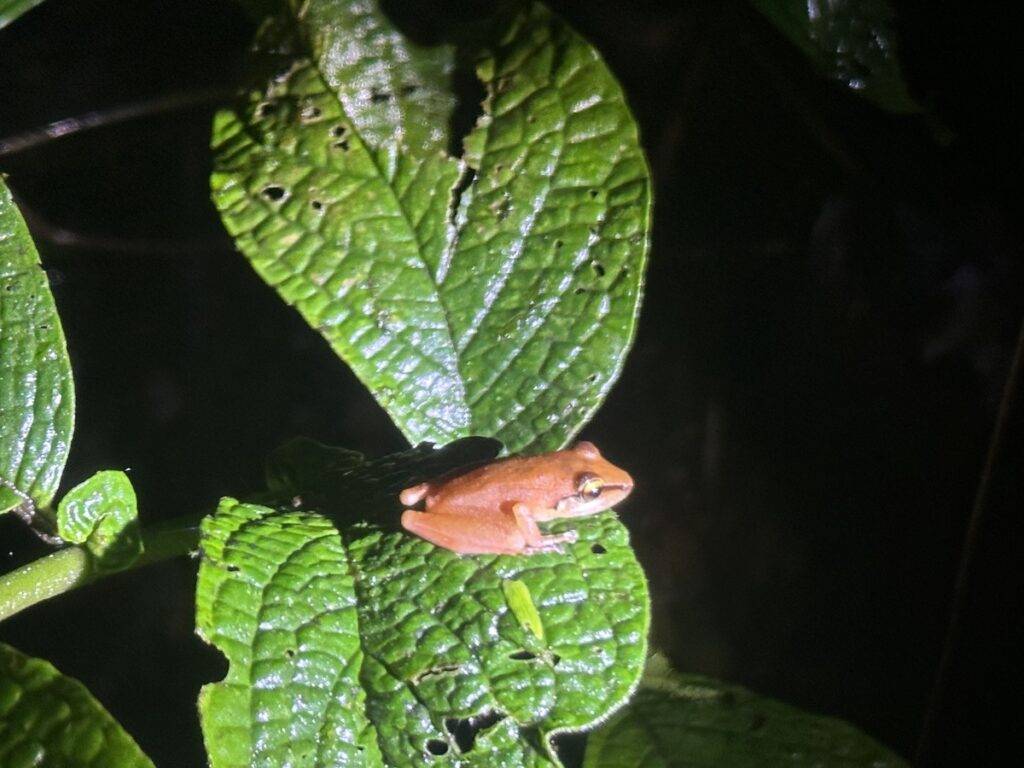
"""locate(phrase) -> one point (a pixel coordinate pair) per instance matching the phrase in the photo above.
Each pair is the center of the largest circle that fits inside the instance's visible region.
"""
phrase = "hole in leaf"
(289, 653)
(464, 731)
(274, 192)
(522, 656)
(339, 131)
(342, 145)
(437, 747)
(316, 205)
(232, 568)
(310, 112)
(559, 243)
(470, 93)
(593, 193)
(598, 549)
(598, 268)
(592, 378)
(578, 291)
(266, 108)
(555, 659)
(379, 97)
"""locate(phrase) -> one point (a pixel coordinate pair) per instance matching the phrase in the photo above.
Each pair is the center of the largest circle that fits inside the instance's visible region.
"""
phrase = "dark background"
(832, 302)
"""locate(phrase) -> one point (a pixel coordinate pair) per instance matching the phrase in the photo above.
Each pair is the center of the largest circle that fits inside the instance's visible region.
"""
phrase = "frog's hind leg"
(414, 494)
(468, 534)
(535, 540)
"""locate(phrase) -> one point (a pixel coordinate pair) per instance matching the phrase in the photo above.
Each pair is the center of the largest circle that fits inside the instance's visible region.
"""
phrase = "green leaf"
(276, 595)
(358, 642)
(12, 9)
(495, 294)
(852, 42)
(37, 400)
(52, 721)
(689, 721)
(102, 515)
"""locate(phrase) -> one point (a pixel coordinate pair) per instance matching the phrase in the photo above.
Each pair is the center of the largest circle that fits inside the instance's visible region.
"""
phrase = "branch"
(97, 119)
(967, 558)
(72, 567)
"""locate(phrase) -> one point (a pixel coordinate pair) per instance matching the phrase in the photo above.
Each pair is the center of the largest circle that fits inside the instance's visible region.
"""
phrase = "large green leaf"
(495, 294)
(852, 42)
(691, 721)
(101, 514)
(48, 720)
(37, 408)
(358, 644)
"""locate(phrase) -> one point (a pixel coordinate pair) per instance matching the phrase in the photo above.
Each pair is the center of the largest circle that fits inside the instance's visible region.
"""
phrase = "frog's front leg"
(535, 540)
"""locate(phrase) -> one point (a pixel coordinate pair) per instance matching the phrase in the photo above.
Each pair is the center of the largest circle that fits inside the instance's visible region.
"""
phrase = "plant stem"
(967, 558)
(169, 102)
(70, 568)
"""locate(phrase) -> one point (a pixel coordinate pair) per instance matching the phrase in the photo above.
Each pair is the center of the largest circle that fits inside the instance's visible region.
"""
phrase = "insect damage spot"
(274, 193)
(598, 549)
(437, 747)
(465, 730)
(523, 655)
(436, 671)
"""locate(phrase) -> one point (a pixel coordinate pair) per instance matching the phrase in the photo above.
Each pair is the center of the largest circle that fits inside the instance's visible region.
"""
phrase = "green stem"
(70, 568)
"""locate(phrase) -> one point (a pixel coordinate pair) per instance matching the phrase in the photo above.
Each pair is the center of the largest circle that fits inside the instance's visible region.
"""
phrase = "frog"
(494, 509)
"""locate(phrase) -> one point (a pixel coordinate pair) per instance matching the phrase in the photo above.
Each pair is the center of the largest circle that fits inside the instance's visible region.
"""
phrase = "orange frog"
(494, 509)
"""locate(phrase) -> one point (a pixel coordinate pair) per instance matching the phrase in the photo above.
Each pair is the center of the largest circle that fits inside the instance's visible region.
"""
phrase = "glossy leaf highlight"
(101, 514)
(36, 389)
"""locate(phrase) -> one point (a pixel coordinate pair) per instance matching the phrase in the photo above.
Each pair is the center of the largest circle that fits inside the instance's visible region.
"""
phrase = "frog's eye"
(589, 485)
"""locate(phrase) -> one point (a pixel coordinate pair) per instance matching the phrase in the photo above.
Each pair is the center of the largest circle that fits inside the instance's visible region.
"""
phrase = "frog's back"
(512, 479)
